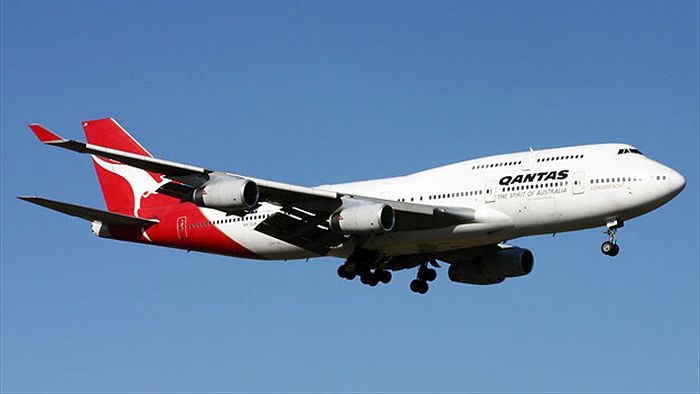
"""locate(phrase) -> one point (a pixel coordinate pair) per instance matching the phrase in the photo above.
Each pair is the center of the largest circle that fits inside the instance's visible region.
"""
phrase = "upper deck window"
(628, 150)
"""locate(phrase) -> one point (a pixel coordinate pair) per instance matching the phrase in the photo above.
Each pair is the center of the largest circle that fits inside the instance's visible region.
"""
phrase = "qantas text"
(538, 177)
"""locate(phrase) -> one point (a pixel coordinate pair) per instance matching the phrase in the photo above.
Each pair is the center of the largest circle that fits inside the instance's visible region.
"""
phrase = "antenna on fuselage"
(531, 150)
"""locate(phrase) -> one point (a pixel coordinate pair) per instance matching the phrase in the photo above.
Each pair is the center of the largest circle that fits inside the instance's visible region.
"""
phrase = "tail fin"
(123, 187)
(110, 134)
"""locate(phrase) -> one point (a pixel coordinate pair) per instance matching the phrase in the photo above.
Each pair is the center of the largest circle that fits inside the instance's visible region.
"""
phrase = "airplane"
(462, 214)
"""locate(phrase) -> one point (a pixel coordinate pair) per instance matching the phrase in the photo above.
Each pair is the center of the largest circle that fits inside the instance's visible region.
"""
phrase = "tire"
(369, 278)
(342, 273)
(384, 276)
(423, 287)
(422, 272)
(615, 250)
(416, 285)
(607, 247)
(430, 274)
(364, 278)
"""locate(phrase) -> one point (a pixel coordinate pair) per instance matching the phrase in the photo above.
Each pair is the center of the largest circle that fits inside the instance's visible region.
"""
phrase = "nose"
(676, 182)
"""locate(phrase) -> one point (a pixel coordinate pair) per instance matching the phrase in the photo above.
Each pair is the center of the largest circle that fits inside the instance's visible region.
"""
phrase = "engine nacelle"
(227, 194)
(494, 267)
(362, 219)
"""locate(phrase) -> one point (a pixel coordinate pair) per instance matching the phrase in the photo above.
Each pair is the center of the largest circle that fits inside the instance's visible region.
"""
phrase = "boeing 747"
(461, 214)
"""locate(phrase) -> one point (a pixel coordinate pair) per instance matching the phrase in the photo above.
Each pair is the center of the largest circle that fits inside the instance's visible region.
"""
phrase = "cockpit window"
(629, 150)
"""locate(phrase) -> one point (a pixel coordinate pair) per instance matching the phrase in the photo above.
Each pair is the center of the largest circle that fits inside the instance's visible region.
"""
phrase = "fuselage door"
(578, 186)
(528, 160)
(182, 227)
(490, 192)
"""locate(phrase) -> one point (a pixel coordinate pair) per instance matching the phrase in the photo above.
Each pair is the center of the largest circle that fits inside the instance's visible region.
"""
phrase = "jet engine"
(232, 194)
(494, 267)
(363, 219)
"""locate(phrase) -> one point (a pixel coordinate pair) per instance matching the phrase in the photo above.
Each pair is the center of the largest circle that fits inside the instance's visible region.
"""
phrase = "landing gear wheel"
(369, 278)
(346, 272)
(427, 274)
(607, 247)
(430, 274)
(384, 276)
(341, 272)
(615, 250)
(419, 286)
(610, 248)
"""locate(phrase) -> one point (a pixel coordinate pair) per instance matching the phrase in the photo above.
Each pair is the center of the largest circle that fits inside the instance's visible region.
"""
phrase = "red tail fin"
(108, 133)
(123, 187)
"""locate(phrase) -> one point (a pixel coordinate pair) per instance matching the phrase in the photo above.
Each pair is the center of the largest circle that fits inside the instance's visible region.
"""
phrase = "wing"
(188, 175)
(90, 214)
(303, 218)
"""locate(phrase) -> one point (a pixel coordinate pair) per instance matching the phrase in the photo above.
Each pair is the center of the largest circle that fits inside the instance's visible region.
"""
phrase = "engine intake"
(362, 219)
(227, 195)
(494, 267)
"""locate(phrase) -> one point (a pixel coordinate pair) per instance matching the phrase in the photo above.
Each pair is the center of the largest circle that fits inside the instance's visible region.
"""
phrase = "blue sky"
(313, 93)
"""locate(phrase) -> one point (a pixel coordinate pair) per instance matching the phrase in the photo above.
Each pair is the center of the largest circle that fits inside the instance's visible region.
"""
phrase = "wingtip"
(43, 134)
(31, 199)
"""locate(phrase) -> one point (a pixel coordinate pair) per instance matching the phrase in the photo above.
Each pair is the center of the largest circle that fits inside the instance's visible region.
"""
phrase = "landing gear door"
(578, 183)
(182, 227)
(490, 192)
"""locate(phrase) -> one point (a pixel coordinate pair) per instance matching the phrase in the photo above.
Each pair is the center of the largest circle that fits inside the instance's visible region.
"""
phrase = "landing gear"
(384, 276)
(425, 275)
(347, 271)
(610, 247)
(419, 286)
(367, 276)
(373, 269)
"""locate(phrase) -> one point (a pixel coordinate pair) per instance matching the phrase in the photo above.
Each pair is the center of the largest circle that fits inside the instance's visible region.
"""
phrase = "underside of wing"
(304, 229)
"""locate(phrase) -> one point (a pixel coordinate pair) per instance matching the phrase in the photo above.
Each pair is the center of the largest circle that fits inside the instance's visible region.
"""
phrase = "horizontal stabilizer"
(108, 218)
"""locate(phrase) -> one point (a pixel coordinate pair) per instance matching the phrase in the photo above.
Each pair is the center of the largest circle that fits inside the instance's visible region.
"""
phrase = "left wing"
(303, 219)
(275, 192)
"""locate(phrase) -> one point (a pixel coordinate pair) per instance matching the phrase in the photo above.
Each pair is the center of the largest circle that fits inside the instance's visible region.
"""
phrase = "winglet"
(45, 135)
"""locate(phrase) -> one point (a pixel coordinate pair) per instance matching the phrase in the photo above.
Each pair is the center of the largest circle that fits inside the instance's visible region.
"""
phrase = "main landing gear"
(367, 276)
(372, 270)
(610, 247)
(425, 275)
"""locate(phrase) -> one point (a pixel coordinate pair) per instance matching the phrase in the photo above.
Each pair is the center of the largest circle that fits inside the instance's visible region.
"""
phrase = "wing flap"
(90, 214)
(302, 229)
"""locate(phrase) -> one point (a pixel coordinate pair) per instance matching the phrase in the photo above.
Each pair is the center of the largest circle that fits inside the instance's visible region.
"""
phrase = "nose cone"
(676, 182)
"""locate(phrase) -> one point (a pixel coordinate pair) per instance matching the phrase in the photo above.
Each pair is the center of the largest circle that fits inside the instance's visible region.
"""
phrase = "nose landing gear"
(610, 247)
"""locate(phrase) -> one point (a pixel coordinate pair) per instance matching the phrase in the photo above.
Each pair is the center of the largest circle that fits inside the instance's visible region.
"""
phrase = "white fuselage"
(517, 194)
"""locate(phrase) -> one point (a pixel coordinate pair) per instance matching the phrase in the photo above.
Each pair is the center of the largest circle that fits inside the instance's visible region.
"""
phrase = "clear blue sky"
(313, 93)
